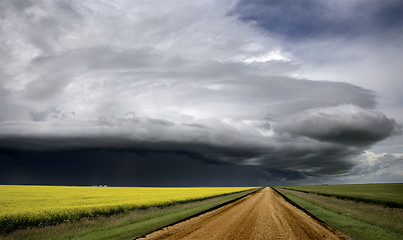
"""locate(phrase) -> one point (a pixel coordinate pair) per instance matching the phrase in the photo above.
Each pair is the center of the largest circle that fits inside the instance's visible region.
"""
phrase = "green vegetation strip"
(339, 215)
(390, 195)
(127, 225)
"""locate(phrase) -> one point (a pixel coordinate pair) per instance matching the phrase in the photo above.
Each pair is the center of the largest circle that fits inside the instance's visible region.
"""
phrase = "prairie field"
(35, 206)
(360, 211)
(388, 194)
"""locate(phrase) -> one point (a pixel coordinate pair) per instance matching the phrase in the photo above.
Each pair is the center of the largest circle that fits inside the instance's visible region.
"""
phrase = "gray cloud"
(376, 167)
(305, 19)
(345, 124)
(324, 148)
(184, 77)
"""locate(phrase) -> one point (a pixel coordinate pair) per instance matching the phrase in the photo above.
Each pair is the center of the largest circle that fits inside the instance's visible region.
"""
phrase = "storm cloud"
(344, 124)
(174, 87)
(306, 19)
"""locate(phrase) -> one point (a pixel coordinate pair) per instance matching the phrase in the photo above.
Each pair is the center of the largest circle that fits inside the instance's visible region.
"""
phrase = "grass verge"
(128, 225)
(362, 223)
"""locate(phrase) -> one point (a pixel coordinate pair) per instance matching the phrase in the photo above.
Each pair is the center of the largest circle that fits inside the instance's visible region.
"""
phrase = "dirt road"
(262, 215)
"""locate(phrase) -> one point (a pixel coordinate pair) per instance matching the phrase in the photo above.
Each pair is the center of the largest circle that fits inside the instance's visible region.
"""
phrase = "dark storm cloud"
(299, 146)
(306, 158)
(178, 86)
(305, 19)
(343, 124)
(122, 168)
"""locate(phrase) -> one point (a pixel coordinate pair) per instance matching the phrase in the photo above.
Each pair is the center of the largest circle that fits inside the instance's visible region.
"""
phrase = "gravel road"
(262, 215)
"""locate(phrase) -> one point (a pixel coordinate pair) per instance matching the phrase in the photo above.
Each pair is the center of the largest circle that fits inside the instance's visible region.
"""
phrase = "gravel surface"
(262, 215)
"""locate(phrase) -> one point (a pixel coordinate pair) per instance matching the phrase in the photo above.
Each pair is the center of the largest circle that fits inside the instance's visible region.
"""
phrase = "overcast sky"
(201, 93)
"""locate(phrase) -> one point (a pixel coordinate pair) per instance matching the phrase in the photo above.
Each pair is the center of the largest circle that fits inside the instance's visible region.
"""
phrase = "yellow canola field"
(25, 206)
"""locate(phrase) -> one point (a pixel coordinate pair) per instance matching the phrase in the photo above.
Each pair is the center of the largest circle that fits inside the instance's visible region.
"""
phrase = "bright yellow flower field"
(24, 206)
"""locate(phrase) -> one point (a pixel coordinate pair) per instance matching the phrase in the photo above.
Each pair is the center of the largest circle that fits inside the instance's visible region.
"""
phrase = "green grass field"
(355, 219)
(390, 195)
(36, 206)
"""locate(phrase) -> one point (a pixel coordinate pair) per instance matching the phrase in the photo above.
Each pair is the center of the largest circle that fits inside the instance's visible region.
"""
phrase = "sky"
(201, 93)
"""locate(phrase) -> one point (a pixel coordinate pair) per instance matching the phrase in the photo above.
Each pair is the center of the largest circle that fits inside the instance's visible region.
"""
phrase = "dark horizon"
(76, 168)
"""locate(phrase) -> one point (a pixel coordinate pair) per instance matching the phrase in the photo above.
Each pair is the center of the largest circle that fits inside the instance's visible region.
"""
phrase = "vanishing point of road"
(261, 215)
